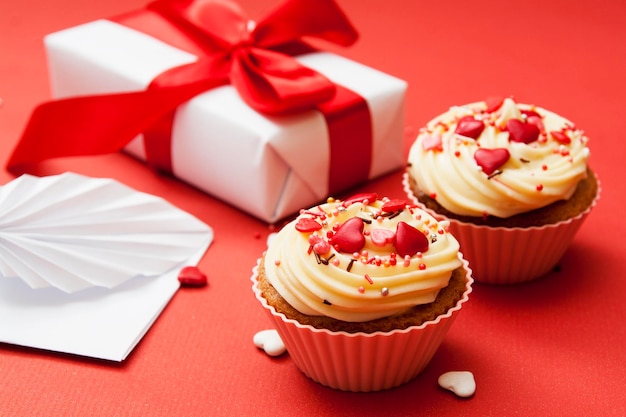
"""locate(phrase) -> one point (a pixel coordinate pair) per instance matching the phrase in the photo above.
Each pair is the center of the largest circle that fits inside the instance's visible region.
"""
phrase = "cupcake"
(513, 181)
(362, 291)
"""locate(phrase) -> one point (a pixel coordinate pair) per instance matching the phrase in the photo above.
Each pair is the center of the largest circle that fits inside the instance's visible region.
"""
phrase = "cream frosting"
(361, 259)
(499, 158)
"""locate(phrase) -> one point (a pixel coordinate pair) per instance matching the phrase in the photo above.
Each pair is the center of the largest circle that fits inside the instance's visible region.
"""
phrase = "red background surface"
(551, 347)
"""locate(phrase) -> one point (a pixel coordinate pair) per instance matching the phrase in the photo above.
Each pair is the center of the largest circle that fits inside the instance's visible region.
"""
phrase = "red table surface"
(551, 347)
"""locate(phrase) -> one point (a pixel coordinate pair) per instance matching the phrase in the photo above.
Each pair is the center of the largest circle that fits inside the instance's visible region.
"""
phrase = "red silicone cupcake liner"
(500, 255)
(363, 362)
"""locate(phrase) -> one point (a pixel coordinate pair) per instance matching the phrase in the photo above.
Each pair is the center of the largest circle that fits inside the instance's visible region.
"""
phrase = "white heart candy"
(461, 383)
(270, 342)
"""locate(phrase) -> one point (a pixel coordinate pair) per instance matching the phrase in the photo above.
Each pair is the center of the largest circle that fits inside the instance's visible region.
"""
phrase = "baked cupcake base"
(583, 198)
(346, 356)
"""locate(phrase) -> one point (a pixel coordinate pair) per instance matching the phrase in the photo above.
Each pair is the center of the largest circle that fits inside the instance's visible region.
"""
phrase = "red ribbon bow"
(248, 58)
(269, 81)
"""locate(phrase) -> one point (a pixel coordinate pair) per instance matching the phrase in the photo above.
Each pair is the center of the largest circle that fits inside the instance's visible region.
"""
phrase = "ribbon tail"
(95, 125)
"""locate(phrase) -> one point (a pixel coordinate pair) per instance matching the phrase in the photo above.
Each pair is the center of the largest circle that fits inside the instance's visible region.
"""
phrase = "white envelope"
(87, 265)
(269, 167)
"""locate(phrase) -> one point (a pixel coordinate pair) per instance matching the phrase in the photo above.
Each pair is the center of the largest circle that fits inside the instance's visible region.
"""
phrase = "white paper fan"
(73, 232)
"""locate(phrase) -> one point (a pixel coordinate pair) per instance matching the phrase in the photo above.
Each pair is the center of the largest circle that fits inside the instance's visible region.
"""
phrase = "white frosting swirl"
(444, 165)
(375, 281)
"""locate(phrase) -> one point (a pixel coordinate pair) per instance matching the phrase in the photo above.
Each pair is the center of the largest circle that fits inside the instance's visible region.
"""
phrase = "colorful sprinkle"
(394, 205)
(432, 143)
(364, 198)
(561, 137)
(322, 247)
(382, 237)
(349, 268)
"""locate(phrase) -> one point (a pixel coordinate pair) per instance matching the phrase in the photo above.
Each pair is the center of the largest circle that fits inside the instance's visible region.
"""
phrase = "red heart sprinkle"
(432, 142)
(522, 132)
(494, 103)
(349, 236)
(534, 118)
(537, 121)
(469, 127)
(191, 276)
(381, 237)
(491, 159)
(409, 240)
(560, 137)
(530, 113)
(394, 205)
(306, 225)
(360, 198)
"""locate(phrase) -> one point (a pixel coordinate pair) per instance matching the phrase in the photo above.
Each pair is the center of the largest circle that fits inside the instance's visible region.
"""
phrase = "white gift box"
(269, 167)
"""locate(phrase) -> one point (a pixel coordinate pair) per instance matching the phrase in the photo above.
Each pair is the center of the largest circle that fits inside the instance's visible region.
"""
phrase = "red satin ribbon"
(268, 80)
